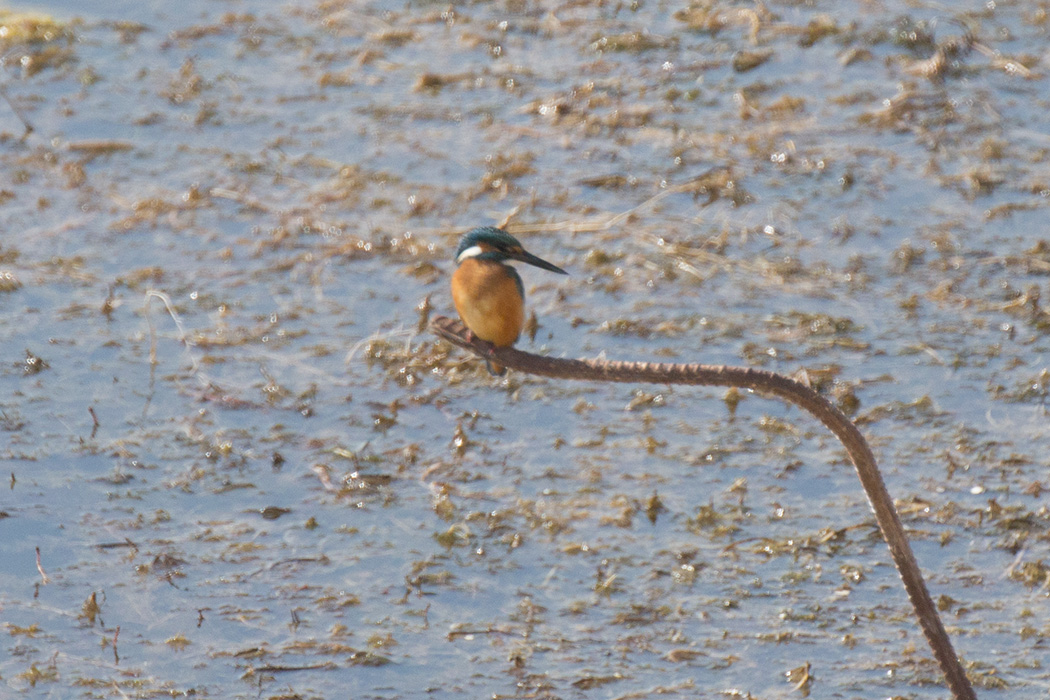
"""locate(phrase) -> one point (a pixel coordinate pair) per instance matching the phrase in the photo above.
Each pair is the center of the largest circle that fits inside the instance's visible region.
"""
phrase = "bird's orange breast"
(488, 300)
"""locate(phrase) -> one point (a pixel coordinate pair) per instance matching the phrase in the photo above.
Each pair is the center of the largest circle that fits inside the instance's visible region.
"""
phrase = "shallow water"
(220, 417)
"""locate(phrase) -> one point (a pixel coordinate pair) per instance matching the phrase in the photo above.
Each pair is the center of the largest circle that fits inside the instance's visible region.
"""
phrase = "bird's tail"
(495, 369)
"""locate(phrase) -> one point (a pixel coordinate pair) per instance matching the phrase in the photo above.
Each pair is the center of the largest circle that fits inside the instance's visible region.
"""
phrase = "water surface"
(221, 419)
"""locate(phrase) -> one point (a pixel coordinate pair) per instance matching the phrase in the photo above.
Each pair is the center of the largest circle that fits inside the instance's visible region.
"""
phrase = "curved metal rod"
(767, 383)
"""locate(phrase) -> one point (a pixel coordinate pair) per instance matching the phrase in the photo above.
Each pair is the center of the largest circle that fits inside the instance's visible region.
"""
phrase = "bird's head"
(495, 244)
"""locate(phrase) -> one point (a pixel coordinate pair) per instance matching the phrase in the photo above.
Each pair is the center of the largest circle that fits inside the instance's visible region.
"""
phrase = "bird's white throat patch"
(471, 252)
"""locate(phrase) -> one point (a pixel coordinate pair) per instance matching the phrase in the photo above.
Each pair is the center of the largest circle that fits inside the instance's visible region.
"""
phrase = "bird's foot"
(486, 346)
(488, 352)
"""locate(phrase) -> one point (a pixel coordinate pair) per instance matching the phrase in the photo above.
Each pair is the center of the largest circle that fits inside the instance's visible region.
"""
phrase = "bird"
(488, 294)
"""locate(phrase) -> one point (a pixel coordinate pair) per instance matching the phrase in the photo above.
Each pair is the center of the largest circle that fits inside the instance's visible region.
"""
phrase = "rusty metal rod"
(764, 382)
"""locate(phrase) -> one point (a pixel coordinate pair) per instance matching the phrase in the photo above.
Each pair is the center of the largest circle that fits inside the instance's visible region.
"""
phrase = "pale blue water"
(273, 205)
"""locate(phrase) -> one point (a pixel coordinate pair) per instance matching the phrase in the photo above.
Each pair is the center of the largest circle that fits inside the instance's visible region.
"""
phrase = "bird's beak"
(538, 262)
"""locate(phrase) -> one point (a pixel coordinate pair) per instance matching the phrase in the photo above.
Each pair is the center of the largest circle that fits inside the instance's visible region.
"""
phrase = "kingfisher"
(488, 293)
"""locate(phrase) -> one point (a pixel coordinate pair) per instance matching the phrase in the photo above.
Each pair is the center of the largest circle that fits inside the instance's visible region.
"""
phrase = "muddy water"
(249, 474)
